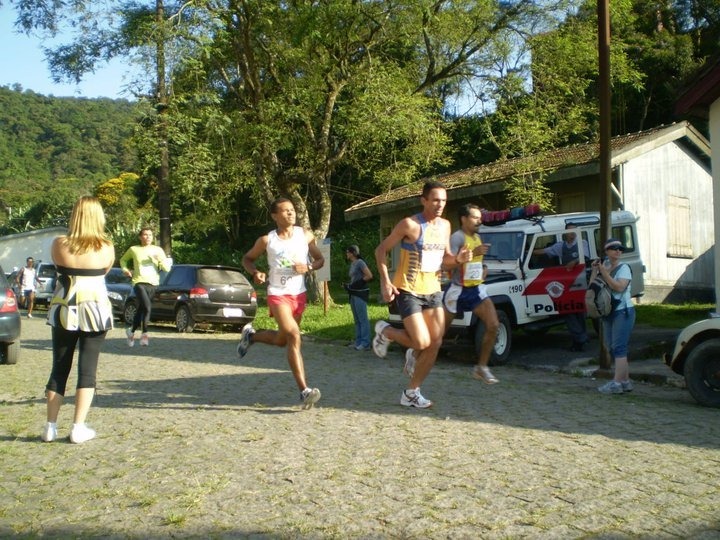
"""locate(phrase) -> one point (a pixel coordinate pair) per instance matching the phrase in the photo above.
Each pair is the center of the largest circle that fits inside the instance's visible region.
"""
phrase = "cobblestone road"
(193, 443)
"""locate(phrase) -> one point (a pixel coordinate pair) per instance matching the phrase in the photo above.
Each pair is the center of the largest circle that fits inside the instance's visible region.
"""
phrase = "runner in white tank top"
(291, 253)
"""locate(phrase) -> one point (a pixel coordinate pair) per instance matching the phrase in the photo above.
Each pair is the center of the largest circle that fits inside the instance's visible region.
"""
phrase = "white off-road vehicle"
(696, 357)
(532, 292)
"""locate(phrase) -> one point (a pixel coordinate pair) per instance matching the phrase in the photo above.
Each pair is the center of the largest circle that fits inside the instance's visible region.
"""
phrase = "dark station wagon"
(196, 293)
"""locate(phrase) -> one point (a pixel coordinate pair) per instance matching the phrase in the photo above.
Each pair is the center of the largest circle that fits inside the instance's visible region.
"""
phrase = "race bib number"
(474, 271)
(280, 277)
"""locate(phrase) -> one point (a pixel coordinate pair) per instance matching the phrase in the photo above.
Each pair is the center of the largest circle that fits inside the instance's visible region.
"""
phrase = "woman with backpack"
(618, 325)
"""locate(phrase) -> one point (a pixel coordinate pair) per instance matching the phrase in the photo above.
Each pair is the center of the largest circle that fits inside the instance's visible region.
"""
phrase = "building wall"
(15, 248)
(647, 183)
(715, 138)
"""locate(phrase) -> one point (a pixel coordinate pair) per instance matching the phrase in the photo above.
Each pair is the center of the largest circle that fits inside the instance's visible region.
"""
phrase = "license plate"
(233, 312)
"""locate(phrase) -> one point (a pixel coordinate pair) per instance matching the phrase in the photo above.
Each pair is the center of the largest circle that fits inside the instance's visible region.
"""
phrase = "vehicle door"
(553, 288)
(173, 288)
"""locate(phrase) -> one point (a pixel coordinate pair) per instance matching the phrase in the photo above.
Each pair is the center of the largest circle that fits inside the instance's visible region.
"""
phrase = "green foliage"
(326, 102)
(522, 190)
(54, 150)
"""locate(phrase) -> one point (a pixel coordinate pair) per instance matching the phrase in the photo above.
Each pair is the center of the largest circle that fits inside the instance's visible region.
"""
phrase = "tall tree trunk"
(163, 173)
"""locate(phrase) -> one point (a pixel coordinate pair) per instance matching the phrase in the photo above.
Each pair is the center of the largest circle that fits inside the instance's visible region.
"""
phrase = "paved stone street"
(194, 443)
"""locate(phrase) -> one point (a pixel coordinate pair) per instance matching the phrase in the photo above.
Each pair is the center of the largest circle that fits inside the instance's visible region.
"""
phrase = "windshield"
(504, 245)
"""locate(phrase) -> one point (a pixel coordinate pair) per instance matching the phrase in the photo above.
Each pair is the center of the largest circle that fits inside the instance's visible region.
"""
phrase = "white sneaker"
(380, 342)
(409, 367)
(413, 398)
(80, 433)
(245, 342)
(130, 337)
(30, 316)
(144, 340)
(309, 397)
(49, 434)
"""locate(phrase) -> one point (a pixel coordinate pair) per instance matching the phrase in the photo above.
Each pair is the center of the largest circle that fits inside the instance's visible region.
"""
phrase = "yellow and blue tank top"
(468, 274)
(418, 271)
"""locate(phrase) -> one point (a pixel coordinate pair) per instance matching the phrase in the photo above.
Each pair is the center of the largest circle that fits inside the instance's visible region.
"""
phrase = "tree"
(310, 88)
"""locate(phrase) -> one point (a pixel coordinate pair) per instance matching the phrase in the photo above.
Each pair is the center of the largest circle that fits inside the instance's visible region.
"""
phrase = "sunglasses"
(613, 248)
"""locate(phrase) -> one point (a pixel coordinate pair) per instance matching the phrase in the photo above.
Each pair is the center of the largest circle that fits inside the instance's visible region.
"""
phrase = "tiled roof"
(551, 160)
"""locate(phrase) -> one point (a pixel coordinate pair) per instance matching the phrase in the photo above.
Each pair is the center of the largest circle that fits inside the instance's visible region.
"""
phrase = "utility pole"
(603, 12)
(163, 173)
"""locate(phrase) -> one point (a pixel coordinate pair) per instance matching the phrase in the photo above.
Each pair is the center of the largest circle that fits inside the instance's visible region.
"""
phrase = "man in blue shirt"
(568, 253)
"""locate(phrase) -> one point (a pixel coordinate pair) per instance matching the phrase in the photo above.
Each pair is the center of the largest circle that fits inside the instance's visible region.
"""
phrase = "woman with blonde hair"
(80, 313)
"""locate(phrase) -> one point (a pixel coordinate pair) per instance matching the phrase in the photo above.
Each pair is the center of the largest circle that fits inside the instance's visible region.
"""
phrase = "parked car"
(696, 356)
(119, 287)
(46, 274)
(196, 293)
(9, 323)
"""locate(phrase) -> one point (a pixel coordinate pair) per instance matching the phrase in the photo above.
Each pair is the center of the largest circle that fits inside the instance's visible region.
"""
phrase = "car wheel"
(503, 341)
(10, 352)
(702, 373)
(129, 312)
(184, 321)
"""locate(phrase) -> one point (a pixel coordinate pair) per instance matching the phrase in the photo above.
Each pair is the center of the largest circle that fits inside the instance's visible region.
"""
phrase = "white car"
(696, 357)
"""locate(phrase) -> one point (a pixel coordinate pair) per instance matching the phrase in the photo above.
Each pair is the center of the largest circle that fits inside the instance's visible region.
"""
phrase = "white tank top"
(282, 254)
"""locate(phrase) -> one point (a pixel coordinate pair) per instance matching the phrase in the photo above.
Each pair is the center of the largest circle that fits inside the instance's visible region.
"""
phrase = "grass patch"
(672, 316)
(335, 323)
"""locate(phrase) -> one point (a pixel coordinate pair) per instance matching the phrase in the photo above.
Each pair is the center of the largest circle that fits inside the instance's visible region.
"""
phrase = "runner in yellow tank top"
(467, 291)
(420, 261)
(424, 247)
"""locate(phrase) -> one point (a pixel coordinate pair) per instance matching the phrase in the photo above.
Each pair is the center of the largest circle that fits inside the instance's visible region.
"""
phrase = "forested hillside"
(50, 146)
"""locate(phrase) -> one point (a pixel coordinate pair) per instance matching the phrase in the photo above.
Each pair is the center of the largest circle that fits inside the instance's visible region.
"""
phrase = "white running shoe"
(144, 340)
(409, 367)
(49, 434)
(413, 398)
(309, 397)
(245, 342)
(380, 342)
(130, 336)
(81, 433)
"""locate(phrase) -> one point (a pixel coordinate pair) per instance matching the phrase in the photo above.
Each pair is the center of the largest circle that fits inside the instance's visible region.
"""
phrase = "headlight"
(115, 296)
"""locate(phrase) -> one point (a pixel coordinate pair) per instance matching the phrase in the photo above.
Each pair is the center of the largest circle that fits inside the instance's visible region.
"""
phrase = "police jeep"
(533, 292)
